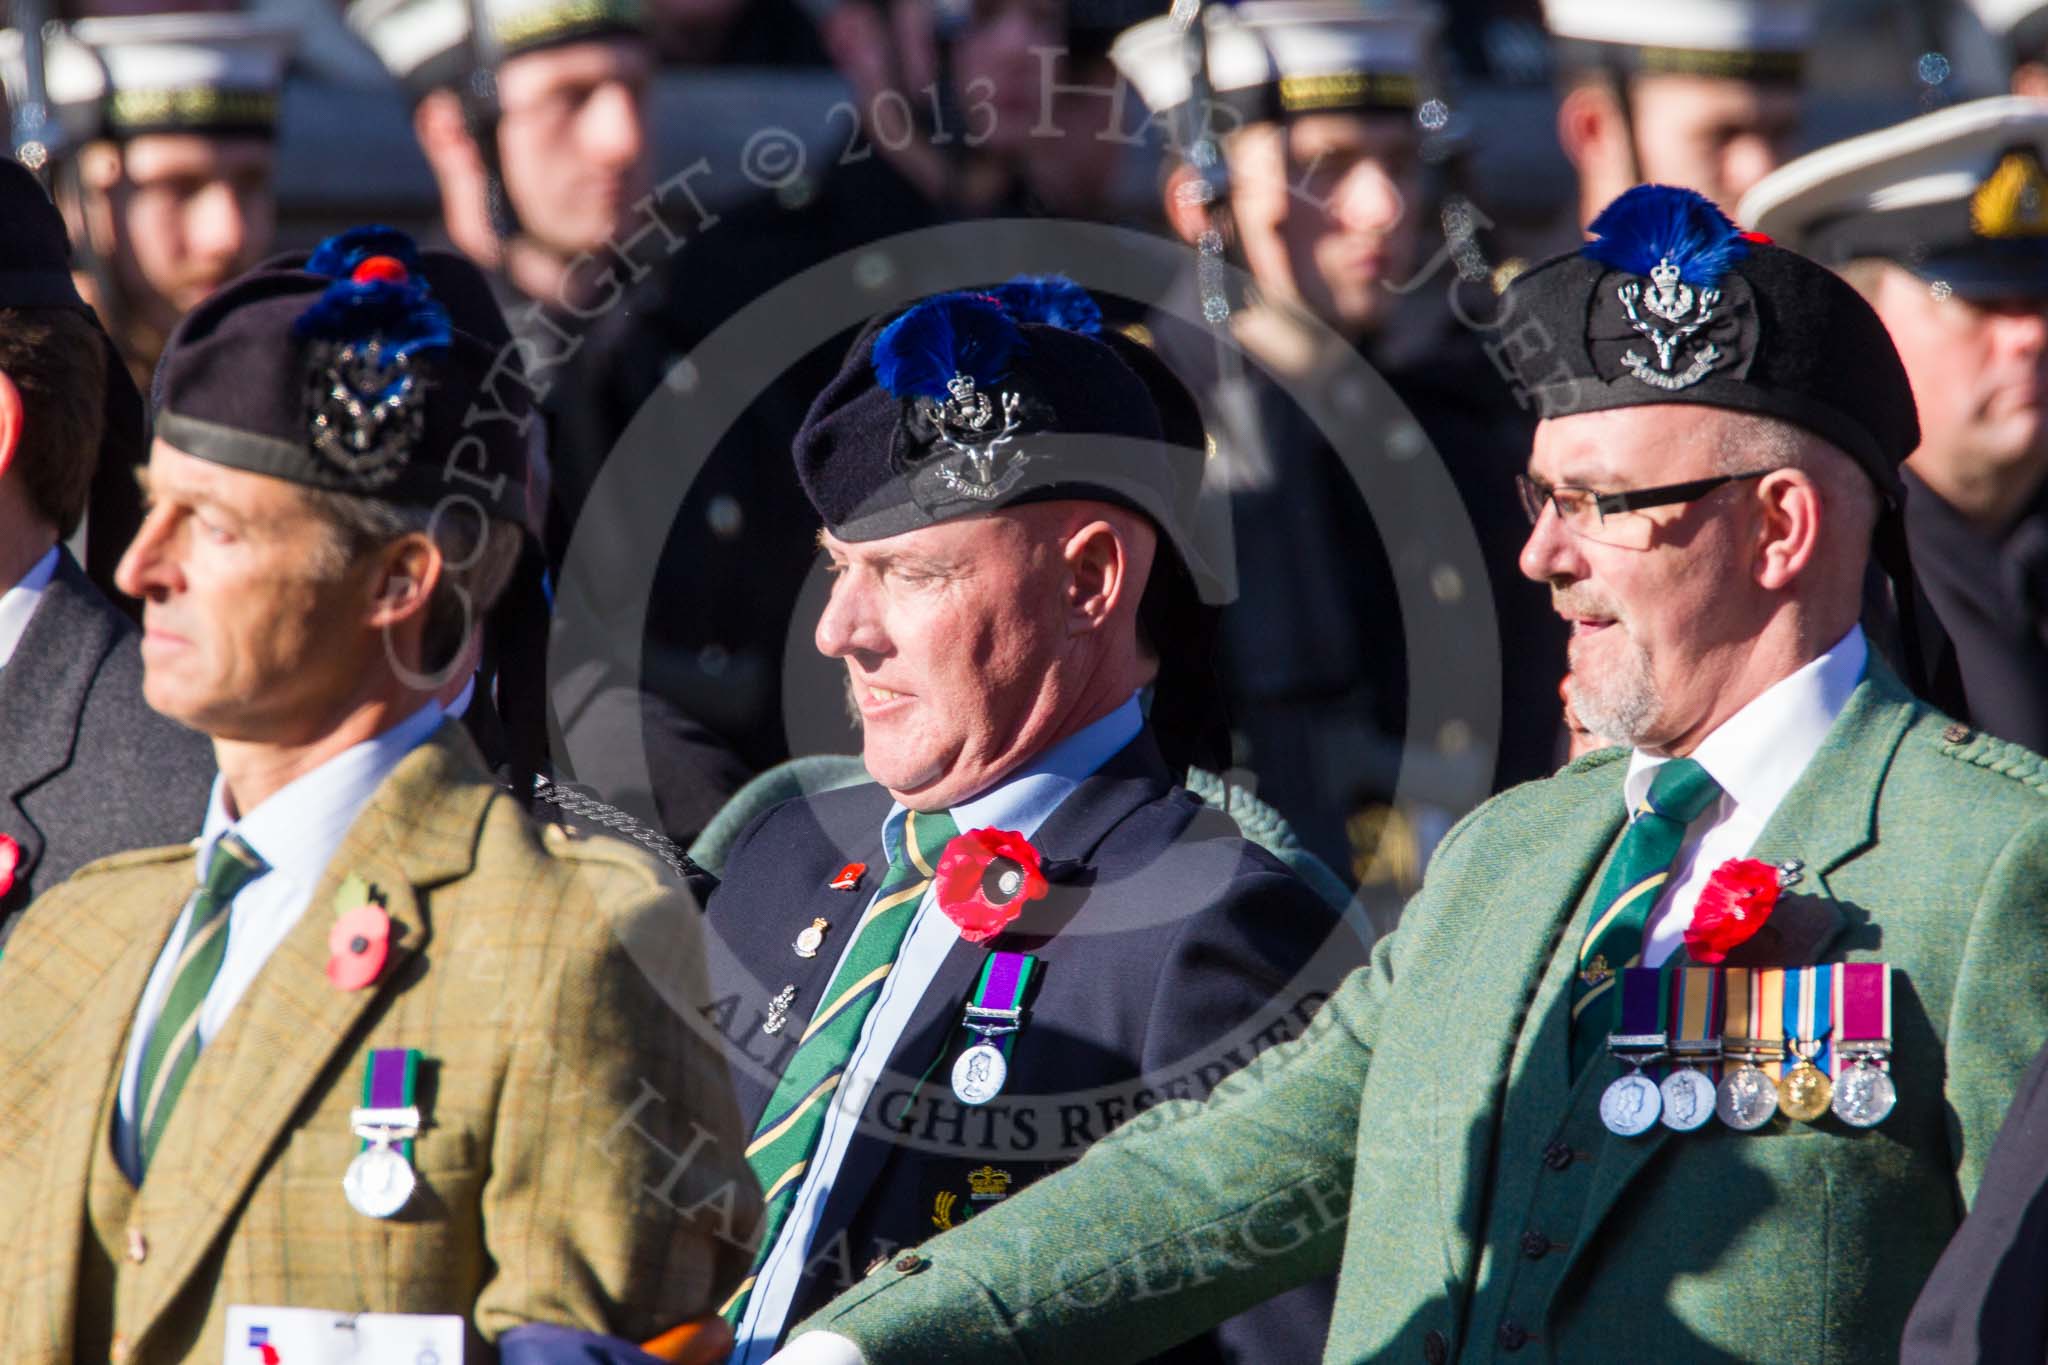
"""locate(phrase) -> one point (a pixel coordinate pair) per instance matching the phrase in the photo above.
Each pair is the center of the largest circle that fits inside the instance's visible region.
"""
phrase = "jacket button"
(1436, 1347)
(1535, 1245)
(1512, 1336)
(1956, 733)
(138, 1246)
(1558, 1156)
(910, 1265)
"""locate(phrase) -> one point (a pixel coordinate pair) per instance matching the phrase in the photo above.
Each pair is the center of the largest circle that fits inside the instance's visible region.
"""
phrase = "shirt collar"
(297, 830)
(18, 603)
(1023, 800)
(1758, 753)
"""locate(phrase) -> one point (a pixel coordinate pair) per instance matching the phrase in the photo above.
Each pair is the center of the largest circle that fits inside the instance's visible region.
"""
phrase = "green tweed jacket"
(1427, 1139)
(581, 1158)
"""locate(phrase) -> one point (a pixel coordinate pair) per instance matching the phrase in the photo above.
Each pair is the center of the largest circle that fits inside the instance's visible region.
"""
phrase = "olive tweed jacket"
(1428, 1140)
(581, 1150)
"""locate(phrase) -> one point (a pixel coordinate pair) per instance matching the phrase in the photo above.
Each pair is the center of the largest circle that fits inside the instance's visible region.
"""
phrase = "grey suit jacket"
(86, 768)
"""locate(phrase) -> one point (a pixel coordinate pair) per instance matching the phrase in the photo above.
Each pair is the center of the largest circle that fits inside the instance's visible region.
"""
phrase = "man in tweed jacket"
(179, 1067)
(1434, 1140)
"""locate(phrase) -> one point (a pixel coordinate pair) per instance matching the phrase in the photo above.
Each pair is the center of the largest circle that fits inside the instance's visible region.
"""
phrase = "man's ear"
(10, 422)
(1587, 124)
(1099, 568)
(1790, 533)
(443, 135)
(410, 569)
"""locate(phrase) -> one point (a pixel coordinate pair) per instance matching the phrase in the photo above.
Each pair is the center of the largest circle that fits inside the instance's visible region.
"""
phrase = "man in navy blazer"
(1011, 580)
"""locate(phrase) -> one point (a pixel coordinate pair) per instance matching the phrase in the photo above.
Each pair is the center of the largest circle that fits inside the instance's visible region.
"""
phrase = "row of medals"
(1747, 1097)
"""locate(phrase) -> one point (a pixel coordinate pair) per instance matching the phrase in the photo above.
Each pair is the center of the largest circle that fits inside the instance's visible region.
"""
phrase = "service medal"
(1696, 1018)
(978, 1074)
(1864, 1092)
(1688, 1099)
(379, 1181)
(1747, 1098)
(1864, 1096)
(1629, 1107)
(1805, 1092)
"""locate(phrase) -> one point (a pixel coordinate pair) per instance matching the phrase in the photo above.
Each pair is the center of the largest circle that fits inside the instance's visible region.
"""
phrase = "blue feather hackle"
(951, 334)
(344, 251)
(405, 314)
(1053, 300)
(1653, 223)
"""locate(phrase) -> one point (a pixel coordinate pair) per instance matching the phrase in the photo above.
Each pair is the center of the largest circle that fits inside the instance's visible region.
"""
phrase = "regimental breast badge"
(988, 1183)
(1683, 311)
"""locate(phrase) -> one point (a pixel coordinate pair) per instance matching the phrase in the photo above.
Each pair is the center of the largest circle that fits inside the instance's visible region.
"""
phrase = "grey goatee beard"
(1622, 704)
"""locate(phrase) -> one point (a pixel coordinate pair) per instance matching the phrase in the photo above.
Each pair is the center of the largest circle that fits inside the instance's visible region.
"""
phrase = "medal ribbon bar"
(1767, 1020)
(1808, 1014)
(1639, 1034)
(1696, 1015)
(996, 1007)
(389, 1115)
(1865, 992)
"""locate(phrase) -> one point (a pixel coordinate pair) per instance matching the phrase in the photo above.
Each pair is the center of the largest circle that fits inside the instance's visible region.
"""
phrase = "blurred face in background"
(1713, 134)
(1325, 208)
(177, 215)
(1979, 370)
(573, 140)
(997, 78)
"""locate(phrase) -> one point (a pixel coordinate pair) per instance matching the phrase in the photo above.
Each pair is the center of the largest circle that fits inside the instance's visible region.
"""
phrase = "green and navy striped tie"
(1679, 792)
(173, 1047)
(788, 1131)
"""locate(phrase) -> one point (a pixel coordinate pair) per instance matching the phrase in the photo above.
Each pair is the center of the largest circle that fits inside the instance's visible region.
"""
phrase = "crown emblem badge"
(988, 1183)
(1668, 299)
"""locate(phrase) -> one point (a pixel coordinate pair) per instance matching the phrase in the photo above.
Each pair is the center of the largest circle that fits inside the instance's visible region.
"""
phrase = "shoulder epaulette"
(1969, 745)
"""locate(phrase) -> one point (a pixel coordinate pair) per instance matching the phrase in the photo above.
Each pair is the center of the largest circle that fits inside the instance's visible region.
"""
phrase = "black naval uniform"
(1990, 592)
(1314, 663)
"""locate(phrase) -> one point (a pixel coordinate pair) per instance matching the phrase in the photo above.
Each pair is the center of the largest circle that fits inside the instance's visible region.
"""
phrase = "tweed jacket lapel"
(417, 832)
(1069, 837)
(1828, 817)
(98, 960)
(42, 692)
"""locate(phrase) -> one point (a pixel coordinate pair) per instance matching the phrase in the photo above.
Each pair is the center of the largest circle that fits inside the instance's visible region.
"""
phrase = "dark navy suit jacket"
(1170, 953)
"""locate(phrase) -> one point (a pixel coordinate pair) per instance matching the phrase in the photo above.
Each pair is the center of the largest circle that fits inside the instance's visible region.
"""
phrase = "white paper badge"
(322, 1336)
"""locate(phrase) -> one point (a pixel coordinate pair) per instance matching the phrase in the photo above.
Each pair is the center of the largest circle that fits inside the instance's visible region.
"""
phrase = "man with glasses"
(1465, 1136)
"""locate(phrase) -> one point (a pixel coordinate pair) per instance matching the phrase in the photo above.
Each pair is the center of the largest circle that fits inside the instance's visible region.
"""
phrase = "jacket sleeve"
(1185, 1216)
(619, 1200)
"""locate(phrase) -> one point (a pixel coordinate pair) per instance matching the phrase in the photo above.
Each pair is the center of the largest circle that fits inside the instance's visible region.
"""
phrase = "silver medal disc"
(1630, 1105)
(379, 1182)
(1747, 1099)
(978, 1074)
(1688, 1099)
(1864, 1096)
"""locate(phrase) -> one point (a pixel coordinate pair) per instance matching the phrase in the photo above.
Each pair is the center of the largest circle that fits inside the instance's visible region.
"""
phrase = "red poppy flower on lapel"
(1738, 898)
(10, 859)
(357, 946)
(985, 876)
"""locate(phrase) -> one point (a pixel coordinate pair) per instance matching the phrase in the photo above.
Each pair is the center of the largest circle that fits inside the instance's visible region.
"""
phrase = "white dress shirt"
(1755, 755)
(18, 604)
(1021, 804)
(295, 832)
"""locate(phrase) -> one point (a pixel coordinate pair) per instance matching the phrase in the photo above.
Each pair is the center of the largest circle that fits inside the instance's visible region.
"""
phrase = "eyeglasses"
(1605, 517)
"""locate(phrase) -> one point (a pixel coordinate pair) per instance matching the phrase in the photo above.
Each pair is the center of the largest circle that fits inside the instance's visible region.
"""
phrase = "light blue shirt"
(1020, 803)
(295, 832)
(18, 603)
